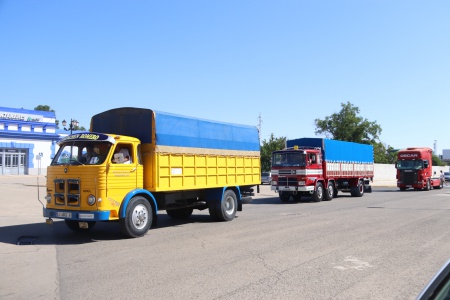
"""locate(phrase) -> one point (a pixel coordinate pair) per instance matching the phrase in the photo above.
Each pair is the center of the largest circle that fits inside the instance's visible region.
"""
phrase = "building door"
(12, 162)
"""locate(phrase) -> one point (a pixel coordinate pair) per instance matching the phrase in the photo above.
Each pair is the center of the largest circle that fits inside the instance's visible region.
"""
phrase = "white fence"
(385, 175)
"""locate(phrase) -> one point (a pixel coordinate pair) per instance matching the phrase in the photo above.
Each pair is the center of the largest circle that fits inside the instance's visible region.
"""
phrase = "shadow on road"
(59, 234)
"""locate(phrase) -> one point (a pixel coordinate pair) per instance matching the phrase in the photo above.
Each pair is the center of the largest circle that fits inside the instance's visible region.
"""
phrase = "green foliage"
(383, 154)
(348, 126)
(44, 108)
(267, 148)
(437, 161)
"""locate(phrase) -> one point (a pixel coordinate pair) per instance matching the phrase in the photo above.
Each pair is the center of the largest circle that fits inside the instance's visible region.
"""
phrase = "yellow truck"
(135, 162)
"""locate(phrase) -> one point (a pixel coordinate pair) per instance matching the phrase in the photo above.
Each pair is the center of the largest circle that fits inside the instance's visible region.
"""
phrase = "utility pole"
(259, 126)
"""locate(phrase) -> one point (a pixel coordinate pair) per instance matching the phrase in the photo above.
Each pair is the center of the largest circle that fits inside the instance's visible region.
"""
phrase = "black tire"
(402, 189)
(180, 213)
(428, 186)
(138, 217)
(318, 193)
(329, 192)
(284, 197)
(75, 227)
(335, 192)
(358, 190)
(224, 210)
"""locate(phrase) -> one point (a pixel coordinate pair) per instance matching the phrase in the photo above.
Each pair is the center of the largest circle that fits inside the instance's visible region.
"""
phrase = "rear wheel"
(329, 191)
(318, 193)
(225, 209)
(357, 191)
(138, 217)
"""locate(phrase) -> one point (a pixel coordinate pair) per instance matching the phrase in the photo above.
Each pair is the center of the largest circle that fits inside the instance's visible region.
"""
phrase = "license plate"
(64, 214)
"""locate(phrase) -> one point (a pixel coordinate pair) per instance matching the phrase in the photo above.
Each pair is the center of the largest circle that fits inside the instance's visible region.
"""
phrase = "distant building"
(27, 141)
(446, 154)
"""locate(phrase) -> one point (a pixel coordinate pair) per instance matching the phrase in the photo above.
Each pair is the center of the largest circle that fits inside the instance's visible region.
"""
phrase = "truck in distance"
(135, 162)
(319, 168)
(415, 170)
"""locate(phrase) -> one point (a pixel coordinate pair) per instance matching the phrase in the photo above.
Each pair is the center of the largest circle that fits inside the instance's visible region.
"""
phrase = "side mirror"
(425, 164)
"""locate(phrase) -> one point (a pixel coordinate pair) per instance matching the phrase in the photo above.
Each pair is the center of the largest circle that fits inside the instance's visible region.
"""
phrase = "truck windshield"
(288, 159)
(410, 164)
(82, 153)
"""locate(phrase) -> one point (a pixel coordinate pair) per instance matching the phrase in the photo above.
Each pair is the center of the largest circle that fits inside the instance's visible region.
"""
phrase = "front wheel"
(138, 217)
(428, 186)
(284, 197)
(224, 210)
(318, 193)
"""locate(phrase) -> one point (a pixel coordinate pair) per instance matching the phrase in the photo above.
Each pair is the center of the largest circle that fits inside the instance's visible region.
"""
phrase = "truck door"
(122, 171)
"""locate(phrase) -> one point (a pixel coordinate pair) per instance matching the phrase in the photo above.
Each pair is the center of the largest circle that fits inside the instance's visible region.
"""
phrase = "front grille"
(67, 192)
(409, 177)
(287, 181)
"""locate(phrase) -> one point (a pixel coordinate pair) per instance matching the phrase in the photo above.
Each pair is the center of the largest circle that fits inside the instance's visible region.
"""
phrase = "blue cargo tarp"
(337, 151)
(176, 130)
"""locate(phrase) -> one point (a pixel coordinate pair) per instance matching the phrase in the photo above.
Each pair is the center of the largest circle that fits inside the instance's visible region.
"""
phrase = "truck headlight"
(48, 198)
(91, 200)
(302, 182)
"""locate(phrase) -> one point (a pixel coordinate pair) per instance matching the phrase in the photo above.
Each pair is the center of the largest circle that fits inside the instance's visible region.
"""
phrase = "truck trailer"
(319, 168)
(135, 162)
(415, 170)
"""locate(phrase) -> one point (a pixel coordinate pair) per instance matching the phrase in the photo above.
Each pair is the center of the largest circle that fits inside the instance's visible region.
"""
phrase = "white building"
(27, 141)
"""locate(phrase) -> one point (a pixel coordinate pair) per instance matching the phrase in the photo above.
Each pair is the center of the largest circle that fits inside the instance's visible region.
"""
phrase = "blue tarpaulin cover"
(176, 130)
(337, 151)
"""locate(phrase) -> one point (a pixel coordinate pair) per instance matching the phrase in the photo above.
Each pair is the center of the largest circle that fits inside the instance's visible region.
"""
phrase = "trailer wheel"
(75, 227)
(318, 193)
(284, 197)
(329, 192)
(224, 210)
(357, 191)
(138, 217)
(180, 213)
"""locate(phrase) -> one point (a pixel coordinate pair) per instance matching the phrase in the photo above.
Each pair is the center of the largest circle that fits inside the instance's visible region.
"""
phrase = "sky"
(278, 64)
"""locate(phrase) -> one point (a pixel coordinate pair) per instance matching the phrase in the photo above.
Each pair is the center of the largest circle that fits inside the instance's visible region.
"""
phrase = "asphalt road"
(385, 245)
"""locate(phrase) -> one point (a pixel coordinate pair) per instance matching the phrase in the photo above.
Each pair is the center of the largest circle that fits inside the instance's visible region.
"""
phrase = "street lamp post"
(73, 124)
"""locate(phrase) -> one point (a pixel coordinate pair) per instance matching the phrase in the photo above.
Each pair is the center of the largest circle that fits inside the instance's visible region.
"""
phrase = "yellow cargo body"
(173, 168)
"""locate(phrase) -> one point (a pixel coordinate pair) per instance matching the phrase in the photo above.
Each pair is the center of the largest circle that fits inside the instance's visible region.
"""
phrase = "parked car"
(266, 177)
(447, 176)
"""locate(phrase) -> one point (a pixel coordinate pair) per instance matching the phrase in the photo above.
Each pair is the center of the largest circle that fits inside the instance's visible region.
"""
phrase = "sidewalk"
(29, 271)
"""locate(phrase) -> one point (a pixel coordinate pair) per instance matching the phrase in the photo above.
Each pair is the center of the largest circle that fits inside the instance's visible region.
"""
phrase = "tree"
(44, 108)
(437, 161)
(348, 126)
(267, 148)
(383, 154)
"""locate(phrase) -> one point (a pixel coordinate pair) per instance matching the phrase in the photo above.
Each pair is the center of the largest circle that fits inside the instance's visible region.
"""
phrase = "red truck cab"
(414, 169)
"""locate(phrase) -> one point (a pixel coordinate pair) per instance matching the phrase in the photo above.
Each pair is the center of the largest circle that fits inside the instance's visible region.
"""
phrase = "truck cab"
(90, 176)
(414, 169)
